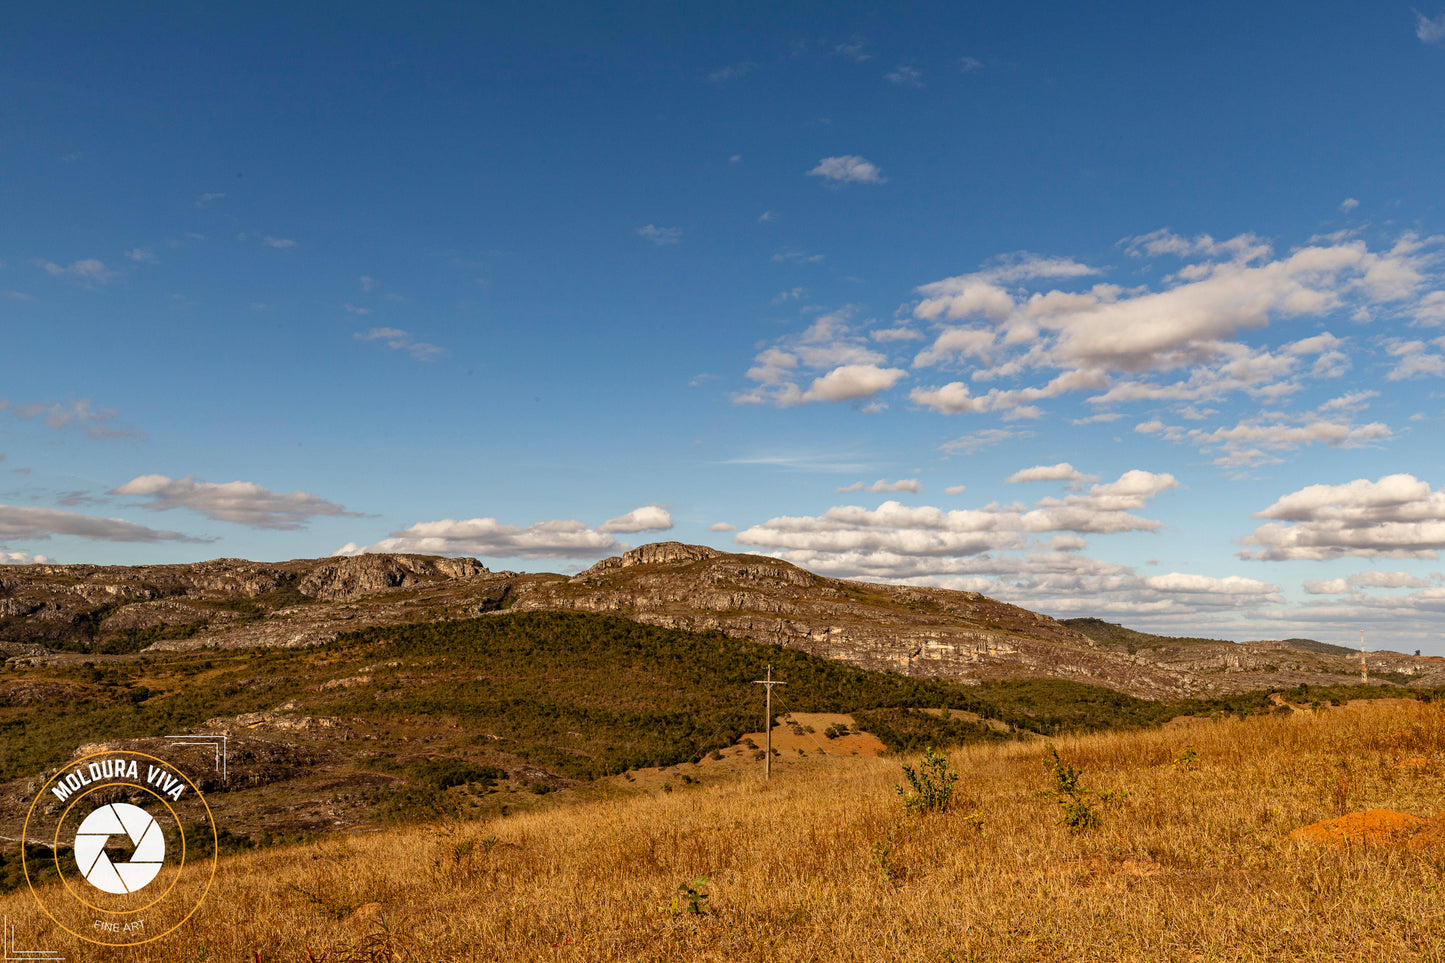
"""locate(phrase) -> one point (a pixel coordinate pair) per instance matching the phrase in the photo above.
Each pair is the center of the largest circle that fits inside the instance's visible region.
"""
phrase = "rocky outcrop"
(348, 579)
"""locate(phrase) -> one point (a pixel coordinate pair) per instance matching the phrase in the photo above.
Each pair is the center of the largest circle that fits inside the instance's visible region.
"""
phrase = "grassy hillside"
(579, 695)
(1189, 860)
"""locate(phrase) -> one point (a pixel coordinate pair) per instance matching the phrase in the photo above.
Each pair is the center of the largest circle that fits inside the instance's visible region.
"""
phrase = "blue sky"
(1136, 311)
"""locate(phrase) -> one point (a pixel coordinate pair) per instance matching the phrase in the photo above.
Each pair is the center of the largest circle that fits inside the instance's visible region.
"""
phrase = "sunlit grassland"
(822, 864)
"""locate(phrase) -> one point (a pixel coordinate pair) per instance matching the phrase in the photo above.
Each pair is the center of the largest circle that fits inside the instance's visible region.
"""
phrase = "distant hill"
(1323, 648)
(75, 613)
(1109, 633)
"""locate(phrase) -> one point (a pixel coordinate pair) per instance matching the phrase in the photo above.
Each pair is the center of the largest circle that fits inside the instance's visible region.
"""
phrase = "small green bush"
(930, 786)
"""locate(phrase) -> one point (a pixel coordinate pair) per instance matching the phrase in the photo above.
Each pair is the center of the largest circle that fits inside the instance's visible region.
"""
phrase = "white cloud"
(828, 462)
(141, 255)
(905, 76)
(1063, 471)
(955, 489)
(1263, 437)
(901, 333)
(1353, 584)
(244, 503)
(98, 423)
(883, 485)
(1231, 585)
(205, 199)
(722, 527)
(1190, 323)
(856, 51)
(765, 217)
(1417, 360)
(278, 242)
(367, 283)
(1428, 30)
(88, 271)
(849, 168)
(353, 309)
(22, 558)
(969, 64)
(1397, 516)
(978, 440)
(798, 257)
(648, 518)
(488, 537)
(1348, 204)
(400, 340)
(848, 369)
(853, 381)
(22, 523)
(661, 236)
(846, 535)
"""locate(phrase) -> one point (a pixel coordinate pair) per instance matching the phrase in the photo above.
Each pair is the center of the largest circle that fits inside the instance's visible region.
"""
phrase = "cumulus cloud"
(97, 423)
(282, 243)
(141, 255)
(853, 381)
(722, 527)
(648, 518)
(1397, 516)
(841, 364)
(22, 558)
(1063, 471)
(23, 523)
(400, 340)
(851, 535)
(849, 168)
(955, 489)
(569, 539)
(661, 236)
(883, 485)
(244, 503)
(205, 199)
(88, 271)
(1116, 341)
(1262, 438)
(1415, 360)
(1361, 580)
(1348, 204)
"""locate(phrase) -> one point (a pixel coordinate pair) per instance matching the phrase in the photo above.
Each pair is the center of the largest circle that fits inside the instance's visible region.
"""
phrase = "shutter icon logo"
(120, 819)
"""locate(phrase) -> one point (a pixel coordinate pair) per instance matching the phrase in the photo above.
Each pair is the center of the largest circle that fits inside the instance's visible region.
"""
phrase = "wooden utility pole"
(768, 684)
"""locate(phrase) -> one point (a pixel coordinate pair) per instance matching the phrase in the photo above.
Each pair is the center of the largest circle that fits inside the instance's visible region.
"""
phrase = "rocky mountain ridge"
(80, 611)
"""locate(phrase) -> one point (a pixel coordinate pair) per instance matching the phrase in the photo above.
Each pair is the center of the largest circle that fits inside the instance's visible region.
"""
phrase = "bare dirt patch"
(1374, 825)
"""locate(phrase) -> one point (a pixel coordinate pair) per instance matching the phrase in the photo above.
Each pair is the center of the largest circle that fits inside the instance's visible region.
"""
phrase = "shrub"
(930, 787)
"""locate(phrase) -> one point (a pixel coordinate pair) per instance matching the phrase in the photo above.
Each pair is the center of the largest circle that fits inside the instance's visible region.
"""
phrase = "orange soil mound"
(1382, 825)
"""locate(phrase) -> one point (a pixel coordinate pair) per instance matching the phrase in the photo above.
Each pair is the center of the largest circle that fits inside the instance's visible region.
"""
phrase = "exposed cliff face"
(916, 631)
(229, 603)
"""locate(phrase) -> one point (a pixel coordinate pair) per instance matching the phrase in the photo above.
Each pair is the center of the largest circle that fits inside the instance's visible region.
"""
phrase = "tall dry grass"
(822, 865)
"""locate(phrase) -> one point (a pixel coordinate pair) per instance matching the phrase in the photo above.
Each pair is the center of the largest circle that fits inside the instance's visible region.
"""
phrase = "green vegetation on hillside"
(1109, 633)
(576, 694)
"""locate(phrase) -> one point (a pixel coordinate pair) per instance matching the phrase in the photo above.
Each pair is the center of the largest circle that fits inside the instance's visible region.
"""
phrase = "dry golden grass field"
(1190, 860)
